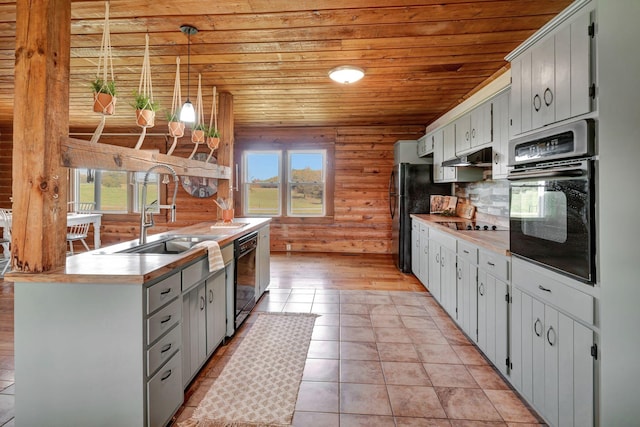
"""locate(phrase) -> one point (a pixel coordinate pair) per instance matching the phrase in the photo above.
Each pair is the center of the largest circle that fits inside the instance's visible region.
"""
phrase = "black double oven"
(552, 197)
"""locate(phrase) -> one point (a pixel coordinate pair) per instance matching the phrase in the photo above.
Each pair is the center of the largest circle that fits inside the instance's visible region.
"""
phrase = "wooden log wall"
(363, 160)
(6, 150)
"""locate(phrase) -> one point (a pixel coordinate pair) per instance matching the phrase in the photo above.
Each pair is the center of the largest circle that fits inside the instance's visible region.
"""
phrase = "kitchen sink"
(175, 244)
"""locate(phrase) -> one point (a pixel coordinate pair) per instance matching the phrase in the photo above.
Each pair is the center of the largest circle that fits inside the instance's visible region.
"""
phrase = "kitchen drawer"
(162, 292)
(164, 392)
(494, 264)
(163, 320)
(445, 240)
(468, 252)
(545, 288)
(195, 274)
(162, 351)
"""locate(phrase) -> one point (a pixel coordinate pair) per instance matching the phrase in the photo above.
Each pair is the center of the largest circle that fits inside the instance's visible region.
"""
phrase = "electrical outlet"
(288, 246)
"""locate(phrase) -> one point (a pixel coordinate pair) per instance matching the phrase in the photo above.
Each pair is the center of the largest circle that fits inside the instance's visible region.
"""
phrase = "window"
(113, 191)
(302, 180)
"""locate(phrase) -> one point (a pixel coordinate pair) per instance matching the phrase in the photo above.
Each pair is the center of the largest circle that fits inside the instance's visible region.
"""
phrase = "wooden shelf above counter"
(78, 153)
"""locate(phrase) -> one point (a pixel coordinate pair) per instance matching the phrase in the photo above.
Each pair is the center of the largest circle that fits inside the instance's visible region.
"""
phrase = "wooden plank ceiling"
(420, 57)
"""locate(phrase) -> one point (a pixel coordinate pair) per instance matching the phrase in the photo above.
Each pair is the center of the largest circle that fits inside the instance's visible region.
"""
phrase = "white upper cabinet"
(552, 72)
(475, 128)
(426, 144)
(499, 167)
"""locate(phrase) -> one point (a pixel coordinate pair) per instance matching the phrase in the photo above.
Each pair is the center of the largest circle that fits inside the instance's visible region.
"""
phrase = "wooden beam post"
(40, 121)
(225, 149)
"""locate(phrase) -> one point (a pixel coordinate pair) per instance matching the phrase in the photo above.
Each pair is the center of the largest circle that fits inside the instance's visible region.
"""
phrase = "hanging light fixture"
(346, 74)
(187, 112)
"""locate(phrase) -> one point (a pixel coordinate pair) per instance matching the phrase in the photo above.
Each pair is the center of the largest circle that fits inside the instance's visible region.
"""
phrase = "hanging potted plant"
(145, 110)
(104, 96)
(176, 127)
(199, 133)
(213, 138)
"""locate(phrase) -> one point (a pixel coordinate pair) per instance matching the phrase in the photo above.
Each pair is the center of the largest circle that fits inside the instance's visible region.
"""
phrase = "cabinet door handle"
(166, 319)
(201, 303)
(166, 291)
(442, 260)
(496, 158)
(466, 135)
(417, 243)
(554, 336)
(210, 295)
(542, 288)
(473, 133)
(481, 289)
(535, 327)
(537, 103)
(426, 251)
(167, 375)
(166, 348)
(459, 274)
(548, 97)
(438, 258)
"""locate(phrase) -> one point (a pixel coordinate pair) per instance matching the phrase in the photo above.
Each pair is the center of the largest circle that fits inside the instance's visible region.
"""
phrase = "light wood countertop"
(106, 265)
(496, 241)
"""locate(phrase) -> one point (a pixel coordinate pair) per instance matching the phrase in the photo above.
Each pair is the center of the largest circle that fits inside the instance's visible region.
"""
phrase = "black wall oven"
(245, 276)
(552, 200)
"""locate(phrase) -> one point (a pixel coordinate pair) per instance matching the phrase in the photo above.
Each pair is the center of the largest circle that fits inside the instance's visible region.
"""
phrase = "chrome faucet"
(144, 211)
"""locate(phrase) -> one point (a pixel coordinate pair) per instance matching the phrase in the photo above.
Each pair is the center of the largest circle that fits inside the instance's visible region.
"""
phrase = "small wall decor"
(199, 186)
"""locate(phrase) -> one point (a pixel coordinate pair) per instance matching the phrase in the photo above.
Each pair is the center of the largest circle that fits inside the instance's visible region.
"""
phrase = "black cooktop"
(470, 226)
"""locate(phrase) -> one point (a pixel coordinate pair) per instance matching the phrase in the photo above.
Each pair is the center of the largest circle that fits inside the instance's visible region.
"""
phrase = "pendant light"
(187, 112)
(346, 74)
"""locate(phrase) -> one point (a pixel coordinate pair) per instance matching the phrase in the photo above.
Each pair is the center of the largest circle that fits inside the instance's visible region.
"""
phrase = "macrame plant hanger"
(198, 133)
(104, 96)
(213, 139)
(145, 115)
(176, 127)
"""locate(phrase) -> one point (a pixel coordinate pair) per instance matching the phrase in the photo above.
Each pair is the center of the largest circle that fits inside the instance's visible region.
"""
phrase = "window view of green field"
(305, 184)
(108, 189)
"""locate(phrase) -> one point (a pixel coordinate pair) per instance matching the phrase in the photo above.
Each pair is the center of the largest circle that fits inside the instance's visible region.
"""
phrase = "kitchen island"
(114, 336)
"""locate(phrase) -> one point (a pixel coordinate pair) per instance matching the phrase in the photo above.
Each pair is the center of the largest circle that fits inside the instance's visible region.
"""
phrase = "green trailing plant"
(212, 132)
(172, 117)
(143, 102)
(100, 86)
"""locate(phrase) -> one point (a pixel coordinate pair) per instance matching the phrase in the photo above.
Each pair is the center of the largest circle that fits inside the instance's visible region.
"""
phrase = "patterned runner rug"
(259, 385)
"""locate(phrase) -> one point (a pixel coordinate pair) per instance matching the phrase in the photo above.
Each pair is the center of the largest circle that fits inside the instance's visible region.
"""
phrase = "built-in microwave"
(552, 200)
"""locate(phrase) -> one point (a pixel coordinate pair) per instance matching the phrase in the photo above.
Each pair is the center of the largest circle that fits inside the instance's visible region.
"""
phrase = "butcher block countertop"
(496, 241)
(106, 265)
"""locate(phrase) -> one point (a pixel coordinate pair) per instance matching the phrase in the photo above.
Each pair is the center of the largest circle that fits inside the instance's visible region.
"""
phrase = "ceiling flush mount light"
(187, 112)
(346, 74)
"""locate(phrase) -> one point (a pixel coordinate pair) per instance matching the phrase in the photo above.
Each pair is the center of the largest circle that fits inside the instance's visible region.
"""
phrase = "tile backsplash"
(491, 199)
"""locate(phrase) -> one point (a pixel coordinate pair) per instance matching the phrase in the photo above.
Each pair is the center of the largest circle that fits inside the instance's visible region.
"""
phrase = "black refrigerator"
(410, 186)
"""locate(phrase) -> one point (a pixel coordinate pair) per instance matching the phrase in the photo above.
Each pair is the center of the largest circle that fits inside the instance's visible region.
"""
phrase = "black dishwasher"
(245, 276)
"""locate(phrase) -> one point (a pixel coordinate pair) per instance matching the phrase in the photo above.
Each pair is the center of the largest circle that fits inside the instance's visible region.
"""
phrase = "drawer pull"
(166, 291)
(542, 288)
(491, 264)
(166, 319)
(535, 327)
(166, 348)
(210, 295)
(554, 336)
(465, 251)
(167, 375)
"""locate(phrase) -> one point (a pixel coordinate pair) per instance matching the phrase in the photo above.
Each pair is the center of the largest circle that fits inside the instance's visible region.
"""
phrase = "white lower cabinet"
(415, 248)
(492, 319)
(423, 257)
(442, 270)
(263, 261)
(164, 390)
(551, 353)
(467, 284)
(216, 310)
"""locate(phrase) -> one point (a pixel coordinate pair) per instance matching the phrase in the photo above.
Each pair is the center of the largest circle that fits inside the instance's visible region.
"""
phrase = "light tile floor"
(383, 358)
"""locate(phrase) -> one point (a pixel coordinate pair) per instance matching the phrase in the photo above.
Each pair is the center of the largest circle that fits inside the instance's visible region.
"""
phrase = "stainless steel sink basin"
(170, 245)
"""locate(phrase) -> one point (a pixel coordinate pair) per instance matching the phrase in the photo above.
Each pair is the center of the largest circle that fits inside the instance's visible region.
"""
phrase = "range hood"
(480, 158)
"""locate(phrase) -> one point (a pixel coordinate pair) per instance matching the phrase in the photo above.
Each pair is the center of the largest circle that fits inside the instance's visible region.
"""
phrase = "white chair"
(5, 242)
(80, 231)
